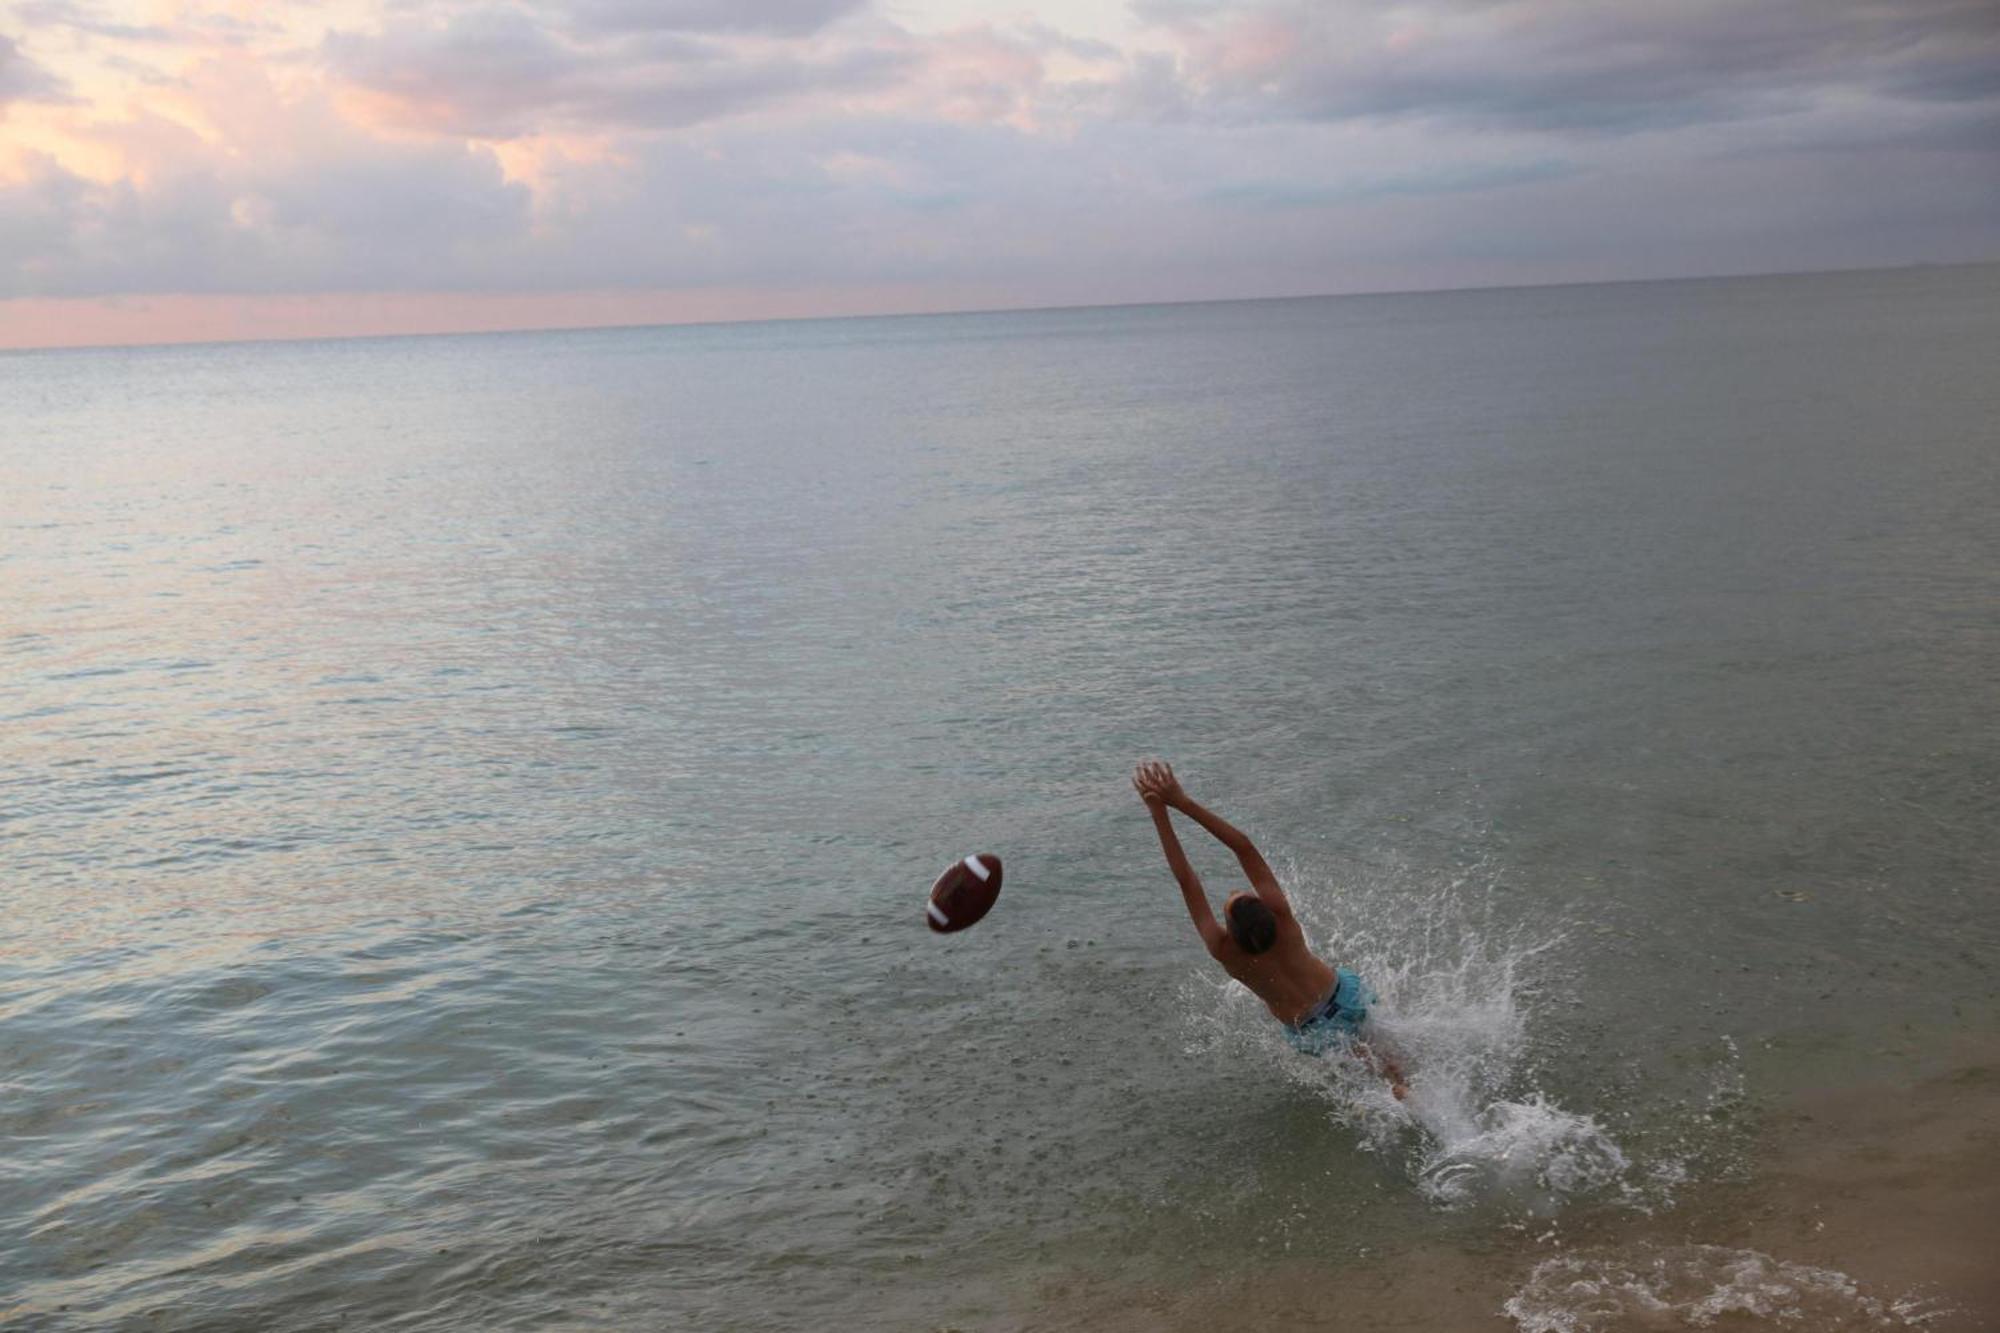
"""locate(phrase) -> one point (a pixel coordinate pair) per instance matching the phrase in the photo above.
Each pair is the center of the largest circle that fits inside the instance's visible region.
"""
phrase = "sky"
(201, 169)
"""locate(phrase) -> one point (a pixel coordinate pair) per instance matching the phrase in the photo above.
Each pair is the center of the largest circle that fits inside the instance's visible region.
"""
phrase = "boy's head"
(1251, 924)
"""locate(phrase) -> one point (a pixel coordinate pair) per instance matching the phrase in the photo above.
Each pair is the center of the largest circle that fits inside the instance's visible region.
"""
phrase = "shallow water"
(469, 799)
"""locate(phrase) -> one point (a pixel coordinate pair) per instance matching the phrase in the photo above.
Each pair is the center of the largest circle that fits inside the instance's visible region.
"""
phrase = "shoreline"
(1876, 1200)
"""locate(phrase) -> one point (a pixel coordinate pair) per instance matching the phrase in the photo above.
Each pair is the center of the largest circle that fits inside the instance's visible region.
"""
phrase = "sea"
(467, 805)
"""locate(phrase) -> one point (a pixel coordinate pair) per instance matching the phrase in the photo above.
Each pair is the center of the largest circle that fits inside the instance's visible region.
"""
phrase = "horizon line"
(530, 330)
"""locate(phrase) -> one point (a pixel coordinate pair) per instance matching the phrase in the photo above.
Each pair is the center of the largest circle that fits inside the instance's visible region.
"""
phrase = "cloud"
(496, 72)
(1249, 147)
(290, 198)
(1448, 179)
(421, 222)
(1569, 66)
(81, 18)
(787, 17)
(188, 28)
(22, 80)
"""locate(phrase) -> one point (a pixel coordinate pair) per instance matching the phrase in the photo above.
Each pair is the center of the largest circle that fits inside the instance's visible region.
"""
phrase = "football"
(964, 893)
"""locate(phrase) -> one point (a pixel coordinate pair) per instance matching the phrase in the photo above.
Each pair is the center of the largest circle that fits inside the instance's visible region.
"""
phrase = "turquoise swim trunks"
(1334, 1021)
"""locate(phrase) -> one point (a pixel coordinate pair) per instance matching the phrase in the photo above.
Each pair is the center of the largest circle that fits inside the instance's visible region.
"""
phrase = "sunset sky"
(180, 170)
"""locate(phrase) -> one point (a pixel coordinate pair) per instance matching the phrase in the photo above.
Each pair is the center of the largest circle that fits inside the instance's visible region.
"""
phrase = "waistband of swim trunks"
(1327, 1005)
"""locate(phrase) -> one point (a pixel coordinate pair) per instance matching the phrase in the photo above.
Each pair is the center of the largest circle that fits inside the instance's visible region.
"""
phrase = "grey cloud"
(1433, 180)
(1565, 66)
(1124, 203)
(494, 72)
(22, 80)
(954, 203)
(1042, 37)
(68, 14)
(189, 29)
(226, 29)
(1116, 211)
(681, 97)
(66, 236)
(485, 71)
(789, 17)
(1972, 81)
(1971, 128)
(34, 222)
(1151, 89)
(427, 205)
(142, 72)
(370, 217)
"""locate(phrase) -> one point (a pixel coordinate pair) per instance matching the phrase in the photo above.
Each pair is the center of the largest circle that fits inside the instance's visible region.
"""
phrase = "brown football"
(964, 893)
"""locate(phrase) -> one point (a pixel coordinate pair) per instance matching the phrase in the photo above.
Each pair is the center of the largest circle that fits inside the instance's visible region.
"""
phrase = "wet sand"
(1879, 1203)
(1897, 1185)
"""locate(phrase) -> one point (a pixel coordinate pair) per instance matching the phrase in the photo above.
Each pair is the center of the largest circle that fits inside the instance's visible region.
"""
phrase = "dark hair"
(1252, 925)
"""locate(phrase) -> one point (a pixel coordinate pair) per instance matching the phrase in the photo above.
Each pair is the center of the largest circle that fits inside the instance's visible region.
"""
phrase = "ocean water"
(468, 804)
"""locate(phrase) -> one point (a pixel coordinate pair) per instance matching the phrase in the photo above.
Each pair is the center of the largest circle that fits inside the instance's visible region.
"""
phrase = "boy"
(1263, 947)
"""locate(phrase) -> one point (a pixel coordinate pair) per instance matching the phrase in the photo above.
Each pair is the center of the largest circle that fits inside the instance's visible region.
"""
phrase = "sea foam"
(1700, 1286)
(1457, 985)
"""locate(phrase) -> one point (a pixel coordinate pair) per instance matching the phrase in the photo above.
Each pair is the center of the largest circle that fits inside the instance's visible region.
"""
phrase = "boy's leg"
(1385, 1065)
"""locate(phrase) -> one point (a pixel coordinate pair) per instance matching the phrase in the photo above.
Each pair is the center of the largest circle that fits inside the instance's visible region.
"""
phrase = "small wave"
(1697, 1286)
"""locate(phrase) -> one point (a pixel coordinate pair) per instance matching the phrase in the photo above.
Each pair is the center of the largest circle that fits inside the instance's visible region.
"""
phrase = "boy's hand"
(1157, 784)
(1142, 782)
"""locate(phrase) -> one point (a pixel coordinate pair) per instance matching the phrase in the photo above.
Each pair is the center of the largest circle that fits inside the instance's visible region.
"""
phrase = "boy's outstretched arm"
(1255, 868)
(1192, 892)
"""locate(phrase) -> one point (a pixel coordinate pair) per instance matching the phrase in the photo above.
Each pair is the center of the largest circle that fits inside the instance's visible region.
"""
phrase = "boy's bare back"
(1263, 945)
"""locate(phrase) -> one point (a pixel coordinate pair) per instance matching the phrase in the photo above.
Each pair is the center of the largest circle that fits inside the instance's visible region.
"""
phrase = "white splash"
(1695, 1286)
(1454, 987)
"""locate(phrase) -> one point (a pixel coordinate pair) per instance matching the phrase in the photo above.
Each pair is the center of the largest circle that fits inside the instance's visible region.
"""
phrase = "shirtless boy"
(1322, 1006)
